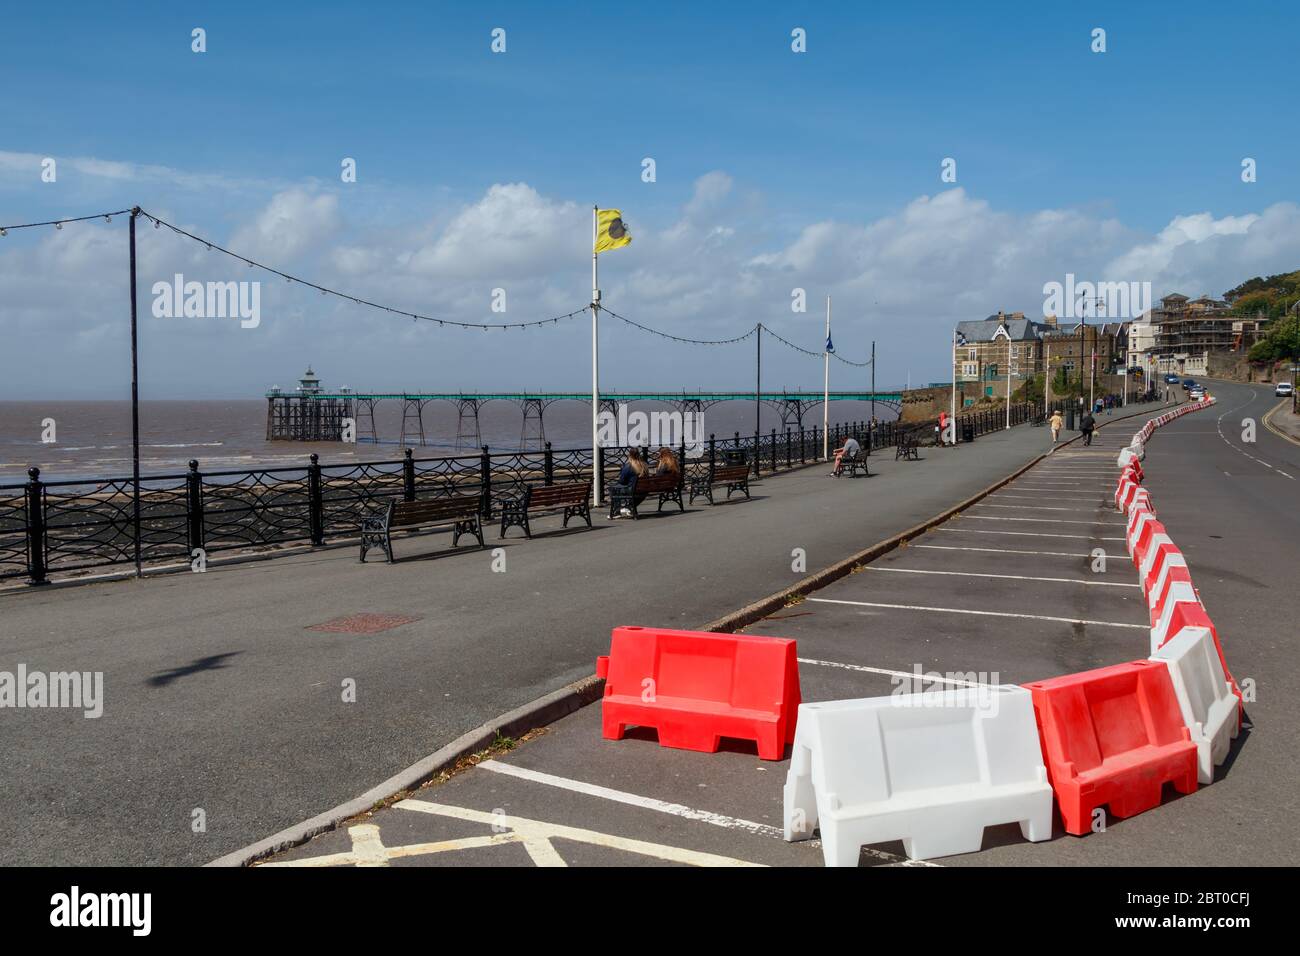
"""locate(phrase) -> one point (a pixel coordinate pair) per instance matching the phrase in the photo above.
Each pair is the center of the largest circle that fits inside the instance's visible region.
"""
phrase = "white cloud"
(712, 272)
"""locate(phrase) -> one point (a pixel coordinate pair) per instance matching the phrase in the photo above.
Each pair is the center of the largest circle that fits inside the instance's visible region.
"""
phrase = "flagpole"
(1008, 381)
(596, 476)
(953, 409)
(826, 385)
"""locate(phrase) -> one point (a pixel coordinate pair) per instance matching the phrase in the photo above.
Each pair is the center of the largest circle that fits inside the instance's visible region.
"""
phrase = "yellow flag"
(610, 231)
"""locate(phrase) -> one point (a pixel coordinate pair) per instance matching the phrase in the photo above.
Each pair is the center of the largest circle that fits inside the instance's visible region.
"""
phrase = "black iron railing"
(79, 524)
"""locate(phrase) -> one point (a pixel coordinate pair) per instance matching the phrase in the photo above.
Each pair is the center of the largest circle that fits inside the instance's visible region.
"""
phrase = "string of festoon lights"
(159, 223)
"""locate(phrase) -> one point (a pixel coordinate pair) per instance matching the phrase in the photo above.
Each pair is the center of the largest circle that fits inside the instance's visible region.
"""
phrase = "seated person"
(849, 448)
(668, 464)
(635, 467)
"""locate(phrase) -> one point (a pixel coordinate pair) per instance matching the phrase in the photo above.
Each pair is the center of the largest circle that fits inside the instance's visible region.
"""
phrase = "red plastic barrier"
(1177, 586)
(1112, 736)
(1144, 539)
(1193, 614)
(696, 687)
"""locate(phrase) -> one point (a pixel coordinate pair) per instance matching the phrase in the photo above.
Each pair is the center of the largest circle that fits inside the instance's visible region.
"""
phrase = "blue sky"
(774, 170)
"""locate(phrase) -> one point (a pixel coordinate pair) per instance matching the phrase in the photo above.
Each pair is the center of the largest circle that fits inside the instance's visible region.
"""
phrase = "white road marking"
(1259, 461)
(958, 610)
(537, 831)
(1056, 554)
(1027, 497)
(687, 813)
(1053, 520)
(1026, 534)
(1082, 511)
(631, 799)
(1012, 577)
(910, 675)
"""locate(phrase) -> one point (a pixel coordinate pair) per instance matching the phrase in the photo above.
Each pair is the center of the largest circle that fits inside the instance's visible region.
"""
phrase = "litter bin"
(967, 431)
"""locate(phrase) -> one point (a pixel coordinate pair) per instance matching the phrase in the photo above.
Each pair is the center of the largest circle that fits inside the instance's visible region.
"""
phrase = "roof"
(1018, 330)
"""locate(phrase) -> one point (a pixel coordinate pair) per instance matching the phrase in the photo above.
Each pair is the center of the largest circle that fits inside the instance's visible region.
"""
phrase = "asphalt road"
(1006, 592)
(221, 704)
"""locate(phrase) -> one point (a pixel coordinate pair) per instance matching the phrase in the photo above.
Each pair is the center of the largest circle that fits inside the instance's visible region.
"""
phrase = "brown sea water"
(93, 438)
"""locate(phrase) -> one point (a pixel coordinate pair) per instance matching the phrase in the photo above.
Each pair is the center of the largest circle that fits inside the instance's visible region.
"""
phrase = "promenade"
(1005, 592)
(220, 698)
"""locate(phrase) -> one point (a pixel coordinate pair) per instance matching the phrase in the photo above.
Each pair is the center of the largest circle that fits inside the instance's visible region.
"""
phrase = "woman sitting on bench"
(668, 464)
(633, 468)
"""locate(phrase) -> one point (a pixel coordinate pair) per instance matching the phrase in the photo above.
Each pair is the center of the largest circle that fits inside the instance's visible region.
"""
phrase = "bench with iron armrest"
(735, 477)
(667, 487)
(461, 512)
(908, 446)
(573, 497)
(857, 461)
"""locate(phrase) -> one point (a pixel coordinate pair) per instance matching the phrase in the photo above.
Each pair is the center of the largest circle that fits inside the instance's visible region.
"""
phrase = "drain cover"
(363, 623)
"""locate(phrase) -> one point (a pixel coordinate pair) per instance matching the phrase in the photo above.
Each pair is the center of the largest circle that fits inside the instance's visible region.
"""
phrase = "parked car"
(1188, 383)
(1283, 389)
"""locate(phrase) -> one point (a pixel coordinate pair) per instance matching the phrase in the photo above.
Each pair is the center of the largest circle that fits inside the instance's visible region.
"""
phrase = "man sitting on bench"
(849, 449)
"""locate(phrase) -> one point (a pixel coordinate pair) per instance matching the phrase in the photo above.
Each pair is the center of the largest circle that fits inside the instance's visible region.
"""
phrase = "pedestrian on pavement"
(1055, 425)
(1086, 426)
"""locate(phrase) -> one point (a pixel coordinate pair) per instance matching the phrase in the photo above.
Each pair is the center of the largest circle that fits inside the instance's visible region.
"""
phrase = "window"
(972, 354)
(969, 369)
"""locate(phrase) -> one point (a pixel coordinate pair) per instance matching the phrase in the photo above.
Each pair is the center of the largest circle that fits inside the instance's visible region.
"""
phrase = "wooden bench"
(857, 461)
(573, 497)
(461, 512)
(735, 477)
(908, 446)
(667, 487)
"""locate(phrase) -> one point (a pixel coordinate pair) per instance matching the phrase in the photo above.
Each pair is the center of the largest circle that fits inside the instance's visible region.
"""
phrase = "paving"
(223, 706)
(1007, 592)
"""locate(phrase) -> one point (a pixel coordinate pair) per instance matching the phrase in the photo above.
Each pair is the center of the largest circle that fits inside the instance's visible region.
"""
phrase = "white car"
(1283, 389)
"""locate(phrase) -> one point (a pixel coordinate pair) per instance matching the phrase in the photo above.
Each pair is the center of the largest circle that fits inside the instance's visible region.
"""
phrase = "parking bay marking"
(677, 809)
(1010, 577)
(1113, 524)
(1026, 534)
(958, 610)
(1082, 511)
(1055, 554)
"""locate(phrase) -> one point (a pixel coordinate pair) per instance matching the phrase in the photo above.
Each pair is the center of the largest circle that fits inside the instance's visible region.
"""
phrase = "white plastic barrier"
(1124, 493)
(1204, 695)
(1155, 578)
(1160, 630)
(1136, 521)
(932, 770)
(1141, 502)
(1148, 557)
(1166, 594)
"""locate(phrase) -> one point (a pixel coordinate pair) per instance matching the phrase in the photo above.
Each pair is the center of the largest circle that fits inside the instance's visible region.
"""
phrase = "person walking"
(1086, 426)
(1055, 424)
